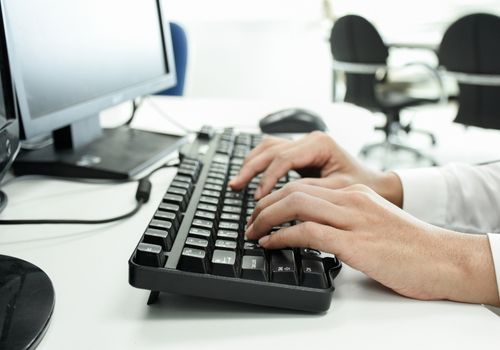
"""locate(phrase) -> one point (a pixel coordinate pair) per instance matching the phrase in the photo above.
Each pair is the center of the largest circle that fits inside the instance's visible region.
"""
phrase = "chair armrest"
(474, 79)
(434, 72)
(358, 68)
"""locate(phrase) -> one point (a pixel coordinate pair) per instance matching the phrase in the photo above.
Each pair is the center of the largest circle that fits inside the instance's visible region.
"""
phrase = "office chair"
(359, 52)
(470, 53)
(180, 47)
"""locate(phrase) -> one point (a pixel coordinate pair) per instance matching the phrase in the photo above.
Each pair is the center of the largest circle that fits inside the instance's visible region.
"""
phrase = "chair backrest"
(180, 48)
(353, 39)
(472, 45)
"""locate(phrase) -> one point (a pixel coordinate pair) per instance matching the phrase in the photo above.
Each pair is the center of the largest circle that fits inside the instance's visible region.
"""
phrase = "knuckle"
(297, 200)
(359, 198)
(314, 235)
(292, 187)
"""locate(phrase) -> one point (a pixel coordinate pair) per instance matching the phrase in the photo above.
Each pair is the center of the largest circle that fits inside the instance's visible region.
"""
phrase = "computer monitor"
(9, 132)
(72, 59)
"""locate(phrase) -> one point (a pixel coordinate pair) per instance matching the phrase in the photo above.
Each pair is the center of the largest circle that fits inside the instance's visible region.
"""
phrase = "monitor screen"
(73, 58)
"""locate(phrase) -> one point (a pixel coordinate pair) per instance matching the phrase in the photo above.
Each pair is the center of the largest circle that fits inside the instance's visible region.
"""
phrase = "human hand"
(372, 235)
(315, 152)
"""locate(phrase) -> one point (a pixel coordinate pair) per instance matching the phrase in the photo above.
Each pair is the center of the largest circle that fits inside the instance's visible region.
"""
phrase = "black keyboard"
(194, 244)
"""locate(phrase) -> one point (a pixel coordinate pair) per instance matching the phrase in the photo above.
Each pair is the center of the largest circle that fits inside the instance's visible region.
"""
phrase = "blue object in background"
(179, 44)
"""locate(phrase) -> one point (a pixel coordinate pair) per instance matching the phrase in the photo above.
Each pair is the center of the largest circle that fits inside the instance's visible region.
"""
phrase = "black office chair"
(470, 53)
(359, 52)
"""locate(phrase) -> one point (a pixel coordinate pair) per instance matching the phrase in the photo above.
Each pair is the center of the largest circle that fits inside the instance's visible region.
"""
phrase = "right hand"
(315, 152)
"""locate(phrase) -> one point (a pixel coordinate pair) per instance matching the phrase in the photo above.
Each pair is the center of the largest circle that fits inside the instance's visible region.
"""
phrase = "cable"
(74, 221)
(136, 103)
(169, 118)
(142, 196)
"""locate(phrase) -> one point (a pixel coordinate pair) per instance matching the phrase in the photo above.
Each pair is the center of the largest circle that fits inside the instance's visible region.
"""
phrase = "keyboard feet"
(153, 297)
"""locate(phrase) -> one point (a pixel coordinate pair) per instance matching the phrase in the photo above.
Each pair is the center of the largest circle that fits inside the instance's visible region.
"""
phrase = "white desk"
(97, 309)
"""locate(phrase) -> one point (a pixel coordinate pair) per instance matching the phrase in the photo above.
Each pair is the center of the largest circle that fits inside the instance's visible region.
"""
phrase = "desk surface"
(97, 309)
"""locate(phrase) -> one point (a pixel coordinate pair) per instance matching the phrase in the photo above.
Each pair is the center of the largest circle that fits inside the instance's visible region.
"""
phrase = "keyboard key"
(213, 187)
(209, 193)
(230, 217)
(161, 225)
(175, 199)
(200, 214)
(159, 237)
(214, 181)
(235, 202)
(193, 260)
(177, 190)
(182, 179)
(205, 224)
(227, 234)
(197, 242)
(226, 225)
(225, 244)
(209, 200)
(282, 267)
(200, 233)
(310, 254)
(168, 216)
(169, 207)
(224, 263)
(192, 174)
(185, 185)
(253, 249)
(313, 274)
(207, 207)
(234, 194)
(231, 209)
(254, 268)
(150, 255)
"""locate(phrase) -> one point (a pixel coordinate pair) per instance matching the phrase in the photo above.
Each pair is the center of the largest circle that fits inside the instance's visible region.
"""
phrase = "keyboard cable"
(142, 195)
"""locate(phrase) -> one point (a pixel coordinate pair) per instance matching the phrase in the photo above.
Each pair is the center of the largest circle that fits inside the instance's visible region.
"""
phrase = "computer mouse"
(293, 120)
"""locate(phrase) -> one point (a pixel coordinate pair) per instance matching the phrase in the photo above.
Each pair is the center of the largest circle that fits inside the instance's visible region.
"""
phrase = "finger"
(295, 157)
(239, 182)
(332, 182)
(255, 166)
(297, 206)
(307, 235)
(268, 142)
(332, 196)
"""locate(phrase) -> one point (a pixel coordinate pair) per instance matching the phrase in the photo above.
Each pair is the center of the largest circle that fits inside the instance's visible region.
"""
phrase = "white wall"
(278, 48)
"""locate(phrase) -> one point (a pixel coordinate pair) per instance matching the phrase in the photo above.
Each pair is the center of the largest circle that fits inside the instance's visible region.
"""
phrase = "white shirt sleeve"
(460, 197)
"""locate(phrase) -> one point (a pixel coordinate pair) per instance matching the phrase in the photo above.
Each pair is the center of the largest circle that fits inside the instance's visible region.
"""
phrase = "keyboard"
(194, 244)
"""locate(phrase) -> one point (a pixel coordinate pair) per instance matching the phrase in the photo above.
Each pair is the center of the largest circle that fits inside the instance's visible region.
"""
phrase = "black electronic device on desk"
(90, 56)
(194, 243)
(26, 292)
(292, 120)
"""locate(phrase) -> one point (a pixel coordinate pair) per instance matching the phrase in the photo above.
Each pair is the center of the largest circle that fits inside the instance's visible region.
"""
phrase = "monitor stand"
(84, 150)
(26, 303)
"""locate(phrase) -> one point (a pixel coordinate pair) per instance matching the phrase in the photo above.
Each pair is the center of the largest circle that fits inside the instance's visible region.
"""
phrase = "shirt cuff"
(424, 194)
(495, 253)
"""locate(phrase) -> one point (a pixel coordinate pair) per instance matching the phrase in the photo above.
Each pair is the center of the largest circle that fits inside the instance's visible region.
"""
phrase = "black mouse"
(293, 120)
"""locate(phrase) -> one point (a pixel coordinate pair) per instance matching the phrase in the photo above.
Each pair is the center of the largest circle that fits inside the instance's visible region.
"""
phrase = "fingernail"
(249, 231)
(263, 240)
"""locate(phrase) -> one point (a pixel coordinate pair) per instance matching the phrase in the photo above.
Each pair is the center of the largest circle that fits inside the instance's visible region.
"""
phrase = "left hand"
(372, 235)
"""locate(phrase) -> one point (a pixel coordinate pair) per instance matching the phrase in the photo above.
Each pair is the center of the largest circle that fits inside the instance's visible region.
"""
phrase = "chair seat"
(395, 100)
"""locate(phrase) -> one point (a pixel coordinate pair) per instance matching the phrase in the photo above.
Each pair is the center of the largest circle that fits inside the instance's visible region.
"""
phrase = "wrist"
(470, 269)
(389, 186)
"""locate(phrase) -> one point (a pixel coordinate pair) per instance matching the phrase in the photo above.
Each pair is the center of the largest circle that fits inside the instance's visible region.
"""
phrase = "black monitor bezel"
(43, 125)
